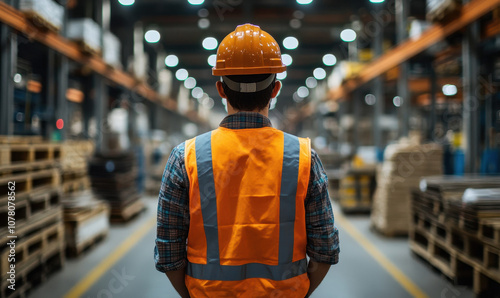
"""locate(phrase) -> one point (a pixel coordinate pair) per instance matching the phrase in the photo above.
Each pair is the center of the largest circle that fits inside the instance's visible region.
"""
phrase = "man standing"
(241, 206)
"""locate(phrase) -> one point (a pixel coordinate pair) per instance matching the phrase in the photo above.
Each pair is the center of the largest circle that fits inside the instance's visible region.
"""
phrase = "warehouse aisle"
(359, 273)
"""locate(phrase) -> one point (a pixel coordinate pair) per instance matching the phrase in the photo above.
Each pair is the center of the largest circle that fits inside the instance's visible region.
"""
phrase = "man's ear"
(220, 89)
(276, 89)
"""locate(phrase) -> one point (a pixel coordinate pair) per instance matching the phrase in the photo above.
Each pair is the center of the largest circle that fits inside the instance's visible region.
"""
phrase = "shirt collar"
(243, 120)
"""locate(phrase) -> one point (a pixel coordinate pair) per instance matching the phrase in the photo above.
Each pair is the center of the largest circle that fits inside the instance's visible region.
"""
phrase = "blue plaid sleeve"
(173, 214)
(322, 235)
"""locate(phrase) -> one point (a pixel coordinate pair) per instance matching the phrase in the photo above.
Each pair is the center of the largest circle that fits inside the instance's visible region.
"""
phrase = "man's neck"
(231, 111)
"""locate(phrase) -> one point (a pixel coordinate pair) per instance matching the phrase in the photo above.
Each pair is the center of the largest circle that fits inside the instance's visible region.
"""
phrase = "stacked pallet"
(356, 189)
(74, 169)
(30, 212)
(457, 236)
(114, 180)
(86, 222)
(404, 165)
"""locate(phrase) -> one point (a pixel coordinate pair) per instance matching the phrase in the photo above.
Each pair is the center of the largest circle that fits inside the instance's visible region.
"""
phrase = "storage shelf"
(18, 21)
(412, 47)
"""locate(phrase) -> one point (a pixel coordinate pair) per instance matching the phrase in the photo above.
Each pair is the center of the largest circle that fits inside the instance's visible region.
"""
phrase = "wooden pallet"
(72, 186)
(85, 227)
(125, 214)
(36, 222)
(7, 171)
(24, 153)
(4, 139)
(31, 182)
(28, 277)
(35, 203)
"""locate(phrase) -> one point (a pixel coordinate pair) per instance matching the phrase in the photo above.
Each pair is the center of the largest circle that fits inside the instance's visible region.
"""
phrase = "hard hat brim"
(248, 70)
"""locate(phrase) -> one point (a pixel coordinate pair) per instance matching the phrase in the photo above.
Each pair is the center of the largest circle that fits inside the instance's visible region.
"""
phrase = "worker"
(241, 206)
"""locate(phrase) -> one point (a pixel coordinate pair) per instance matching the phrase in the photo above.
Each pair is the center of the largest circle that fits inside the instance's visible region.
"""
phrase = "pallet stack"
(404, 165)
(86, 219)
(114, 180)
(459, 239)
(29, 171)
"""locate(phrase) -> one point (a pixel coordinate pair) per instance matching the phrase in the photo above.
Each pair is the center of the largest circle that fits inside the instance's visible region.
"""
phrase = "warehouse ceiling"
(317, 27)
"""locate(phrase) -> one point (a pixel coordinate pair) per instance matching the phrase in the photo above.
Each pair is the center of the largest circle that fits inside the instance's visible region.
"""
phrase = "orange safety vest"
(247, 231)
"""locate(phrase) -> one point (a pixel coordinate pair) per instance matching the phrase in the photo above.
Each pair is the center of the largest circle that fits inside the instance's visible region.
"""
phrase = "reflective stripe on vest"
(213, 270)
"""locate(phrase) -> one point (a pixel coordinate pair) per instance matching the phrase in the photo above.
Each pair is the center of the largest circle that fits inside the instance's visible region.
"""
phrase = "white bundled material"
(48, 10)
(86, 31)
(472, 195)
(112, 49)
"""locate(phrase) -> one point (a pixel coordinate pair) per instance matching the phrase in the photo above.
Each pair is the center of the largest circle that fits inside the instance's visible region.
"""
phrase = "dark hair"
(249, 101)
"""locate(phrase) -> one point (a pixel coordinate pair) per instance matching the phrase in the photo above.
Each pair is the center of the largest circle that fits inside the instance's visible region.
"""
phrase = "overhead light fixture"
(303, 92)
(181, 74)
(304, 2)
(210, 43)
(208, 102)
(203, 23)
(319, 73)
(290, 43)
(171, 61)
(190, 83)
(377, 1)
(18, 78)
(203, 13)
(397, 101)
(126, 2)
(298, 14)
(295, 23)
(196, 2)
(311, 82)
(287, 59)
(212, 60)
(370, 99)
(348, 35)
(197, 92)
(281, 75)
(297, 98)
(450, 90)
(329, 60)
(152, 36)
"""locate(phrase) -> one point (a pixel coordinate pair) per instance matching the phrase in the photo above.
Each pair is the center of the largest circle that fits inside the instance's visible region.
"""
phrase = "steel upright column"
(402, 10)
(378, 88)
(62, 72)
(100, 90)
(432, 118)
(8, 43)
(471, 101)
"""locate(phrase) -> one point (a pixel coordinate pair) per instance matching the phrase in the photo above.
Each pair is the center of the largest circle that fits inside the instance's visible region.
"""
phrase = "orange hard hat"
(248, 50)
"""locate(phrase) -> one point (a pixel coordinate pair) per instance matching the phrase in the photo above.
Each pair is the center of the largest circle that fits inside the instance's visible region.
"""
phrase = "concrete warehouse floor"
(370, 266)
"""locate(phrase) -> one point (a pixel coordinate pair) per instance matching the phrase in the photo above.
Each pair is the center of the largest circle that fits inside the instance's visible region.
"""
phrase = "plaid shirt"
(173, 206)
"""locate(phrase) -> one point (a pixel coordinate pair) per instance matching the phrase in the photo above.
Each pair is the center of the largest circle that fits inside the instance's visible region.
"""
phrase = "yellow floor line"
(399, 276)
(110, 260)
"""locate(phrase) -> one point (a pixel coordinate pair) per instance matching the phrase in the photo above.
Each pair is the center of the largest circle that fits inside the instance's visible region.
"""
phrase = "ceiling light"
(348, 35)
(319, 73)
(298, 14)
(152, 36)
(281, 75)
(126, 2)
(196, 2)
(295, 23)
(203, 23)
(290, 43)
(370, 99)
(304, 2)
(397, 101)
(181, 74)
(377, 1)
(287, 59)
(203, 13)
(18, 78)
(311, 82)
(190, 83)
(303, 92)
(212, 60)
(329, 60)
(208, 102)
(296, 97)
(210, 43)
(171, 61)
(197, 92)
(450, 90)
